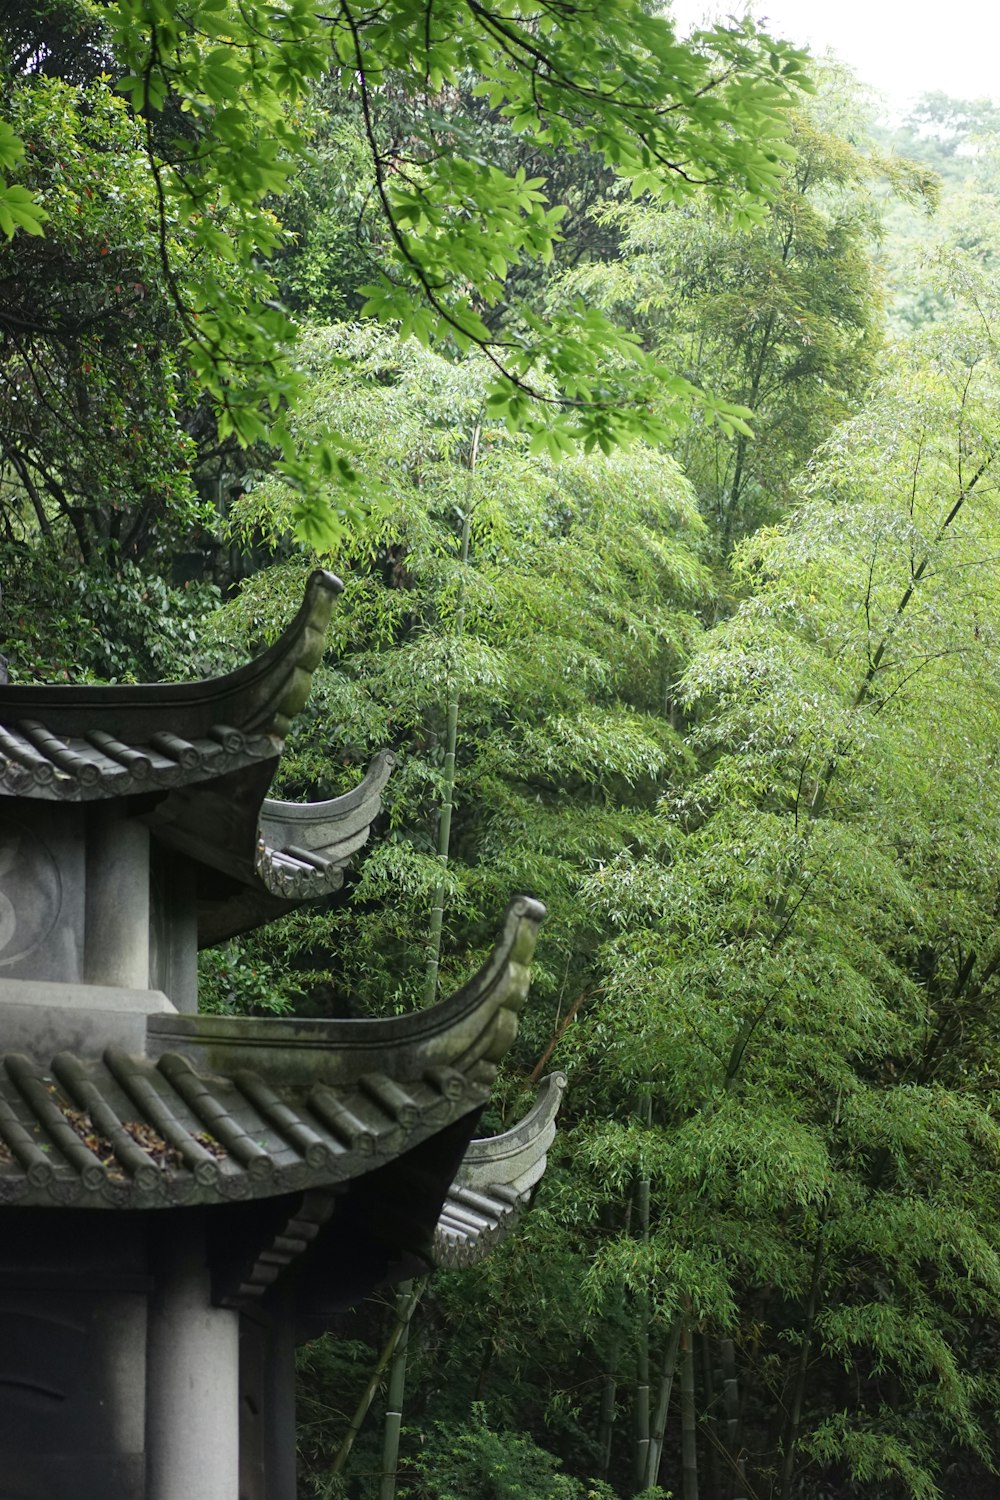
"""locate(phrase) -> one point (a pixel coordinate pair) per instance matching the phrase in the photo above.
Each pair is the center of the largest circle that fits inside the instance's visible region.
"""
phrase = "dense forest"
(645, 395)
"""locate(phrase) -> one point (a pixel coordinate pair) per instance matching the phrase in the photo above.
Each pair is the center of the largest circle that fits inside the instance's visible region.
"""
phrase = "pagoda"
(183, 1197)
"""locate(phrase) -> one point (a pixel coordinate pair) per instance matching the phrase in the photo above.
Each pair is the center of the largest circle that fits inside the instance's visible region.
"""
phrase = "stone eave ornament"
(302, 853)
(493, 1185)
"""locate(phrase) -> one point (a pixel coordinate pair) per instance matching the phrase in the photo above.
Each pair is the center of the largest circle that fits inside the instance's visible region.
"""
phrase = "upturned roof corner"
(83, 743)
(465, 1034)
(494, 1183)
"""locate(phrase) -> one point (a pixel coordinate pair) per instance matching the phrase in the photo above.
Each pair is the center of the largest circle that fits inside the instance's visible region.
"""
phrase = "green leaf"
(20, 210)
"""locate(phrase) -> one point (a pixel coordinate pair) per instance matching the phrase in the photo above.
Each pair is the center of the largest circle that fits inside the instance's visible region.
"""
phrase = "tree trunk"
(689, 1434)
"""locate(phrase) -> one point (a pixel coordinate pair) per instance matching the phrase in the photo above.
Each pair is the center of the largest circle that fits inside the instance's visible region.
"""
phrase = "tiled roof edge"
(494, 1183)
(123, 1132)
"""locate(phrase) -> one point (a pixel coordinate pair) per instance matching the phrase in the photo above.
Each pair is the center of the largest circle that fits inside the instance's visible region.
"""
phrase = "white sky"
(903, 48)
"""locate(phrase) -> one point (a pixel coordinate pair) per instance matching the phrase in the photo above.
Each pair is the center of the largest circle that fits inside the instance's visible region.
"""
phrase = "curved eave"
(70, 743)
(208, 1118)
(469, 1031)
(493, 1185)
(304, 847)
(517, 1157)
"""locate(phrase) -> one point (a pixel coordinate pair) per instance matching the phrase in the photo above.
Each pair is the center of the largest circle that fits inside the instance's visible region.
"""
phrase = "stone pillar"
(192, 1381)
(173, 954)
(281, 1465)
(267, 1396)
(183, 935)
(116, 947)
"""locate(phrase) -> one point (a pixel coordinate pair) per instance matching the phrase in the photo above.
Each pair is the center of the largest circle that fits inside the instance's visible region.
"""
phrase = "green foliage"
(955, 141)
(929, 266)
(779, 932)
(806, 985)
(64, 625)
(768, 850)
(96, 451)
(333, 228)
(940, 131)
(577, 615)
(218, 92)
(783, 322)
(476, 1460)
(55, 39)
(229, 985)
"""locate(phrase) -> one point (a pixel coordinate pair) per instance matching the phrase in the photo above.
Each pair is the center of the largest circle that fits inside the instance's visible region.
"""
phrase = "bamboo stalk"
(642, 1434)
(663, 1404)
(451, 743)
(405, 1297)
(731, 1406)
(606, 1418)
(710, 1417)
(368, 1395)
(689, 1443)
(791, 1433)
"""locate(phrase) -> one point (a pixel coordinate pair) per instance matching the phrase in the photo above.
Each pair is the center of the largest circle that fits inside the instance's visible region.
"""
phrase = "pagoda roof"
(196, 759)
(271, 1126)
(495, 1181)
(223, 1110)
(69, 743)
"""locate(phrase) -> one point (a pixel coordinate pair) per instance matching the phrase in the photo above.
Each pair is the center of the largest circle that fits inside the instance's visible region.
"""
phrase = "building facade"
(185, 1196)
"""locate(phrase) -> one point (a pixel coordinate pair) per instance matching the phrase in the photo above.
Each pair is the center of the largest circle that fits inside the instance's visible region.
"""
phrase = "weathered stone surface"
(301, 854)
(493, 1185)
(79, 998)
(72, 1394)
(116, 937)
(42, 891)
(41, 1019)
